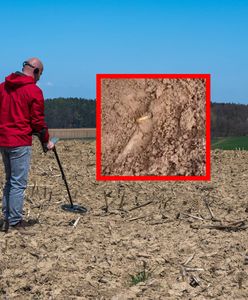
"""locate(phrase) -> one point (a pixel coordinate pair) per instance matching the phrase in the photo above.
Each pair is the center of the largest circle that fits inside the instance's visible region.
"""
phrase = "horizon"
(80, 39)
(88, 99)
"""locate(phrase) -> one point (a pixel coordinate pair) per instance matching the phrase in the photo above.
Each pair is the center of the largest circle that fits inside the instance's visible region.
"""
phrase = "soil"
(153, 127)
(131, 229)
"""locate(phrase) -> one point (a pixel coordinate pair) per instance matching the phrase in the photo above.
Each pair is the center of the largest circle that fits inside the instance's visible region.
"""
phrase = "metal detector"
(67, 207)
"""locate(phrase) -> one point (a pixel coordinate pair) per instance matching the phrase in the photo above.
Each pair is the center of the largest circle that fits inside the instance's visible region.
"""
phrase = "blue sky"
(78, 39)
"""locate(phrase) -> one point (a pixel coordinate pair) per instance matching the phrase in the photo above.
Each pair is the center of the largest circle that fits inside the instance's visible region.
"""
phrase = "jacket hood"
(18, 79)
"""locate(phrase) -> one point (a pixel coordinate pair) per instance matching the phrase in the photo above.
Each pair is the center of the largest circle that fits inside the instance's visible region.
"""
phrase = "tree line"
(70, 113)
(227, 119)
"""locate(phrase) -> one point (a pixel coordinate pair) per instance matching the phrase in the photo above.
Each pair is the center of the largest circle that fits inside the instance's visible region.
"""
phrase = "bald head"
(33, 67)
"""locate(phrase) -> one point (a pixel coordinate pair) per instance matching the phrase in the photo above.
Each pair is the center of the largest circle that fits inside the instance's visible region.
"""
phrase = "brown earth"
(144, 226)
(153, 126)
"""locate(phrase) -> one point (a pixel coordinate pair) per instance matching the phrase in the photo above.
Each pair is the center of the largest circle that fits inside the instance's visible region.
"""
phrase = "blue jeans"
(16, 162)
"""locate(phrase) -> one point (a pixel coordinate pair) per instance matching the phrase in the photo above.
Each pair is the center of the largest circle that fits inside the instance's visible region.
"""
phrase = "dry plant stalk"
(33, 189)
(238, 227)
(189, 259)
(213, 218)
(45, 192)
(192, 216)
(141, 205)
(136, 218)
(76, 222)
(122, 201)
(184, 269)
(106, 202)
(50, 196)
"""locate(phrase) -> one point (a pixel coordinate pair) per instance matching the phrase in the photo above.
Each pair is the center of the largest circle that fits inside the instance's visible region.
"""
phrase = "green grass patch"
(230, 143)
(139, 277)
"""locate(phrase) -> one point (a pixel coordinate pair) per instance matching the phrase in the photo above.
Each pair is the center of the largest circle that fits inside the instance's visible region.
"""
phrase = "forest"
(227, 119)
(70, 113)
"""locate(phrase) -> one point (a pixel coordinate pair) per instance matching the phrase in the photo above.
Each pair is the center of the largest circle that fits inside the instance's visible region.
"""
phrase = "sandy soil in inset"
(130, 227)
(153, 127)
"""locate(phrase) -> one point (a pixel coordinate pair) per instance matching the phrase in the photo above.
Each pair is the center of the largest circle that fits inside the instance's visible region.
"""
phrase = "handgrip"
(54, 140)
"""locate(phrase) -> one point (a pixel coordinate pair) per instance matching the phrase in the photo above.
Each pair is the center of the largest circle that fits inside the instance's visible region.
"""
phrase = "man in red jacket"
(21, 115)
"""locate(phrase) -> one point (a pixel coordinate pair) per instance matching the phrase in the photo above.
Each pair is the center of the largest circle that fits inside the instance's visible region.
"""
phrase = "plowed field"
(139, 240)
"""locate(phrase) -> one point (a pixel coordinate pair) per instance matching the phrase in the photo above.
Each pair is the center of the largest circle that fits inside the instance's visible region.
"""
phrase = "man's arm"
(37, 118)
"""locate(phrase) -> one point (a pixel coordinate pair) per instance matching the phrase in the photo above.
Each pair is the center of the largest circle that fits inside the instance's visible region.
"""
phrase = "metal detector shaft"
(63, 175)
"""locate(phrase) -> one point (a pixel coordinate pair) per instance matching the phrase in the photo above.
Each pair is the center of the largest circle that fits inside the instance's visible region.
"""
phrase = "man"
(21, 115)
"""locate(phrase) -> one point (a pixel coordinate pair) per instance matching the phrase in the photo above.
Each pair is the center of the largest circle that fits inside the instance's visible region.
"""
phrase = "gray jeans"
(16, 163)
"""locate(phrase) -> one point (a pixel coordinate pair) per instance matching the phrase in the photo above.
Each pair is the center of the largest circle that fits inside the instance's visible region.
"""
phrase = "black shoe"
(4, 225)
(22, 225)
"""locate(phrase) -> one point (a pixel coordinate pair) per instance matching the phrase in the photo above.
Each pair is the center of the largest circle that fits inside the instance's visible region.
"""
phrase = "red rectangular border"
(99, 77)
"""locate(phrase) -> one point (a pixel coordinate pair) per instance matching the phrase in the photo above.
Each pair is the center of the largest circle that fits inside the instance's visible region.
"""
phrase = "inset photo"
(153, 127)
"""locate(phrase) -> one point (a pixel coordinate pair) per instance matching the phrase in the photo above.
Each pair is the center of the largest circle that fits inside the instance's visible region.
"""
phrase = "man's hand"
(50, 145)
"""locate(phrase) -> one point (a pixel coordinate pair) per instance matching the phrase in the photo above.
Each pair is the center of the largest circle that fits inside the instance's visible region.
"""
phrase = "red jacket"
(21, 111)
